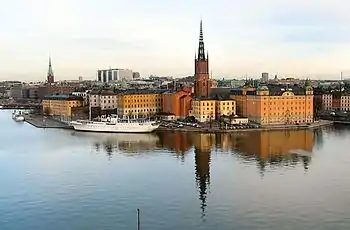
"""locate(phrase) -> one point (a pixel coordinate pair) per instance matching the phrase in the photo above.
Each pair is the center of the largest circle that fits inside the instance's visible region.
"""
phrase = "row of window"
(287, 103)
(141, 110)
(282, 108)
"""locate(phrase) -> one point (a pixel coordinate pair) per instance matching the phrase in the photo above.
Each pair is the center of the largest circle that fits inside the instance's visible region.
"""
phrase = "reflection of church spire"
(202, 164)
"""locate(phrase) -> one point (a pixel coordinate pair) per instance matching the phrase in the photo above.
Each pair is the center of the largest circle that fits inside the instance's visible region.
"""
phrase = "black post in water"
(138, 219)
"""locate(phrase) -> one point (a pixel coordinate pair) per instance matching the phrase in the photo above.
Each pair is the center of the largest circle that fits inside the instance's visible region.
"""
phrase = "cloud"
(161, 37)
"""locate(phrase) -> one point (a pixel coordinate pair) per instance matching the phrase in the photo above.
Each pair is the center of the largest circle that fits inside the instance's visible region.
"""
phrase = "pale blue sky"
(160, 37)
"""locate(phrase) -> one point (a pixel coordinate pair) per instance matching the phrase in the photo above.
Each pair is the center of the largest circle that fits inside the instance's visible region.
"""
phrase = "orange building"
(279, 106)
(177, 103)
(240, 96)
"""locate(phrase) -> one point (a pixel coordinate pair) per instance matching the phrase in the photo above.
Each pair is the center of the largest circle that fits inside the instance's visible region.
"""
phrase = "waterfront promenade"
(213, 129)
(40, 121)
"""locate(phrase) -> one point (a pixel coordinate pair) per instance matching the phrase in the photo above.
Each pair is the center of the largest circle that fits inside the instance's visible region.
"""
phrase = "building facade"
(61, 105)
(327, 101)
(207, 110)
(113, 75)
(177, 103)
(225, 108)
(240, 97)
(204, 110)
(280, 106)
(139, 103)
(265, 77)
(105, 100)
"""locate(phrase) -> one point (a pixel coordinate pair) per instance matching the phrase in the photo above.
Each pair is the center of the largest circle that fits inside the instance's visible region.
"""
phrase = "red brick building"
(202, 82)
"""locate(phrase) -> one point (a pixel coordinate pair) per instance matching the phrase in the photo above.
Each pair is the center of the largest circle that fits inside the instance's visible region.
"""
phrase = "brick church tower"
(202, 81)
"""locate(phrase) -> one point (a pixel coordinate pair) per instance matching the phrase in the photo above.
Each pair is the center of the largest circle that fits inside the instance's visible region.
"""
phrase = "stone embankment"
(45, 122)
(317, 124)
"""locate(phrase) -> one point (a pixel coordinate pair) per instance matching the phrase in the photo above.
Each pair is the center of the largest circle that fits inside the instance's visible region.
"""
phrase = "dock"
(40, 121)
(317, 124)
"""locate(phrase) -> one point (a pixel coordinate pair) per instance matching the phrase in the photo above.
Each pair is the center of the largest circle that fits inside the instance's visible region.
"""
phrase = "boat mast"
(89, 110)
(138, 219)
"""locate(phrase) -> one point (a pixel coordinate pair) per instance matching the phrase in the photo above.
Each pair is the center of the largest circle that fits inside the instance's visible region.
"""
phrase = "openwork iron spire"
(201, 51)
(50, 71)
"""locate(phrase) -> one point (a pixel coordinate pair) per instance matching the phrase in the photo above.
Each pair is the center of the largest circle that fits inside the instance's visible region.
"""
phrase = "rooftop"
(62, 97)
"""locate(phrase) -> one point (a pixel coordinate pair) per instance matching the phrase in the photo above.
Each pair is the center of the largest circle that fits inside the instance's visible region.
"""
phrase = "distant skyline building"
(113, 75)
(265, 77)
(135, 75)
(50, 75)
(202, 81)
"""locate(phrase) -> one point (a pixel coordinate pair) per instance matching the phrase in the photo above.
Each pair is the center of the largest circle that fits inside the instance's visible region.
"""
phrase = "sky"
(160, 37)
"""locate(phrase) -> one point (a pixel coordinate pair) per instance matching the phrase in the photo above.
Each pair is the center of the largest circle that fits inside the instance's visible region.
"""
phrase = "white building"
(113, 75)
(84, 95)
(104, 100)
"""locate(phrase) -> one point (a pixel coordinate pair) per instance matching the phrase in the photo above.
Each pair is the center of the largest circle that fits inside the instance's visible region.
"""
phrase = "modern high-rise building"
(112, 75)
(50, 75)
(264, 77)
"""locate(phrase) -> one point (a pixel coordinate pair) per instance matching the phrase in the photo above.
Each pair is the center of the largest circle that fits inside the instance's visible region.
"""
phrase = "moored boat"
(17, 116)
(114, 124)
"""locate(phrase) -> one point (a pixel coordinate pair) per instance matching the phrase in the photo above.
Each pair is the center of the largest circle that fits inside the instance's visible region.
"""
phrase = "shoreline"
(267, 128)
(39, 121)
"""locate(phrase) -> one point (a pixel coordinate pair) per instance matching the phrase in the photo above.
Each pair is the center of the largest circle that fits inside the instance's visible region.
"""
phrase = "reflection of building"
(180, 143)
(123, 142)
(269, 144)
(203, 144)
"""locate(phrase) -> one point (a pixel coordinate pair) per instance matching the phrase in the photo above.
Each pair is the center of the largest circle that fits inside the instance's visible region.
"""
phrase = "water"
(59, 179)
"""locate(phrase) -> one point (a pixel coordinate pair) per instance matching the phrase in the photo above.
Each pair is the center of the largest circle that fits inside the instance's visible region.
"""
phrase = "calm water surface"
(59, 179)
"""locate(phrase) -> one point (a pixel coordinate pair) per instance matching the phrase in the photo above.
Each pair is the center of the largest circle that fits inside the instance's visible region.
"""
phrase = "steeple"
(201, 50)
(50, 75)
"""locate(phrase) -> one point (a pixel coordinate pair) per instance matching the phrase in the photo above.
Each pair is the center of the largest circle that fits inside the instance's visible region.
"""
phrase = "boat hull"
(115, 128)
(18, 118)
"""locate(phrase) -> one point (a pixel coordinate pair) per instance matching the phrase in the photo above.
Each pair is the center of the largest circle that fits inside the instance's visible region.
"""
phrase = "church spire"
(201, 51)
(50, 75)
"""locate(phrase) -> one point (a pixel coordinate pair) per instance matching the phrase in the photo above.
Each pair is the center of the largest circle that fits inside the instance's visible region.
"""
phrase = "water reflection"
(129, 144)
(268, 150)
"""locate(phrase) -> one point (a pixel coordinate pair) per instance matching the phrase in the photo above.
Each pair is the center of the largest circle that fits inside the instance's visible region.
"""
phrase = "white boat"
(17, 116)
(114, 124)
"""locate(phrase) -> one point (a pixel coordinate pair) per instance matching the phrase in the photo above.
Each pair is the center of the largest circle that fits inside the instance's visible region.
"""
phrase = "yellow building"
(139, 103)
(61, 105)
(203, 110)
(225, 108)
(280, 106)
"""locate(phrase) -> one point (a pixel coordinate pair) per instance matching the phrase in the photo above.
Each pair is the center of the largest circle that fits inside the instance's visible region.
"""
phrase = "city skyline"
(285, 38)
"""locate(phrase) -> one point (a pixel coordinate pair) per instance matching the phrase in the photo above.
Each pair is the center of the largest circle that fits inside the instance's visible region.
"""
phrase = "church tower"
(202, 81)
(50, 75)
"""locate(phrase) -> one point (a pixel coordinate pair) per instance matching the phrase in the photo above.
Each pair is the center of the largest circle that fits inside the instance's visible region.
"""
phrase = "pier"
(20, 106)
(40, 121)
